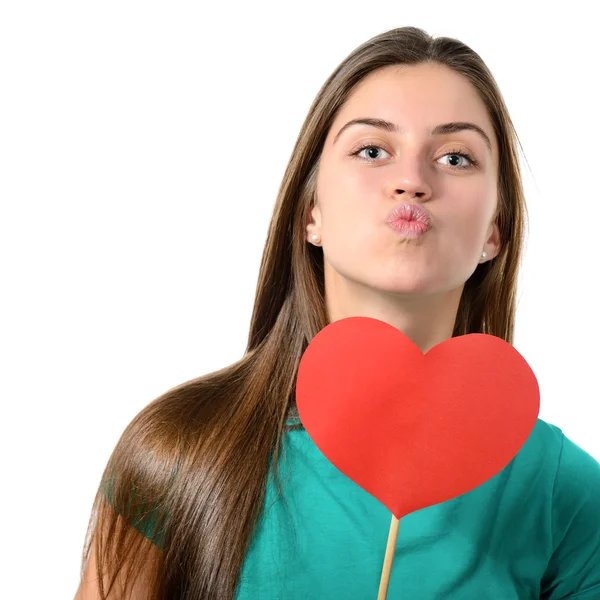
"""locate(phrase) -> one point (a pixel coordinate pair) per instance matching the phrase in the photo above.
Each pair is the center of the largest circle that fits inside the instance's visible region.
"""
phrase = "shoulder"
(574, 567)
(573, 473)
(574, 468)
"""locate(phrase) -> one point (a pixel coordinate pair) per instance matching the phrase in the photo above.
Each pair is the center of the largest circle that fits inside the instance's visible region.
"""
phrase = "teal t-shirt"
(530, 532)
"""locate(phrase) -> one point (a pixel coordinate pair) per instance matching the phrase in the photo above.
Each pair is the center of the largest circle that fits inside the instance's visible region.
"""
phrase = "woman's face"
(355, 193)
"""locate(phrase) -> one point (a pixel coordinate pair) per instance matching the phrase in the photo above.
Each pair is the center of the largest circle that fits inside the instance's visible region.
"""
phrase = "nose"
(416, 194)
(409, 181)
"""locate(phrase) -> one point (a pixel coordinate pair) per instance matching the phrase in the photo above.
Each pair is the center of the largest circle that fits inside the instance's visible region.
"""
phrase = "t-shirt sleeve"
(573, 571)
(141, 515)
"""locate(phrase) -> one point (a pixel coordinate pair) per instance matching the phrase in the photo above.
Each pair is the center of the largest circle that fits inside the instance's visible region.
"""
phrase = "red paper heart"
(411, 429)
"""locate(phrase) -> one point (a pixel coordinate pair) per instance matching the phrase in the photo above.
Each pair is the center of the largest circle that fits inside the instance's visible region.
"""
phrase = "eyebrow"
(443, 129)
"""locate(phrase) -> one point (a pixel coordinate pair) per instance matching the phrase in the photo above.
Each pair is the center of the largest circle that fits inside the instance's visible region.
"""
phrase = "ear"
(313, 222)
(493, 244)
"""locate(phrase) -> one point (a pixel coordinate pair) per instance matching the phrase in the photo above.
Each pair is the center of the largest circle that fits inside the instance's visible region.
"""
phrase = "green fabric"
(146, 517)
(532, 531)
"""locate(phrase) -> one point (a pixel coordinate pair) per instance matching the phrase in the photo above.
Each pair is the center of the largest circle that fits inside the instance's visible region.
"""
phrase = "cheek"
(349, 224)
(348, 185)
(352, 208)
(366, 184)
(473, 215)
(346, 201)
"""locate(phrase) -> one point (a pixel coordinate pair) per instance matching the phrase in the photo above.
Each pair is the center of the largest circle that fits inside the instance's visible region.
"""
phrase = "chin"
(406, 286)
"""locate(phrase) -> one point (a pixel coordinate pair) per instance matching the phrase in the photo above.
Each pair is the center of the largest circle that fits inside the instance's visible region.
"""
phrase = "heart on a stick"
(414, 429)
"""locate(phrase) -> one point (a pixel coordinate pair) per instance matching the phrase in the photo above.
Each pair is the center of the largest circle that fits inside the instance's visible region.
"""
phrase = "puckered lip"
(409, 212)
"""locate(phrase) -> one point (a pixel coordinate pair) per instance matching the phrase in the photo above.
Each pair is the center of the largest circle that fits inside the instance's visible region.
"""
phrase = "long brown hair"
(190, 469)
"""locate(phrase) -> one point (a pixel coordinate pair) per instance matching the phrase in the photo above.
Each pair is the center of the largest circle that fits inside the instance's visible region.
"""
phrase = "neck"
(427, 320)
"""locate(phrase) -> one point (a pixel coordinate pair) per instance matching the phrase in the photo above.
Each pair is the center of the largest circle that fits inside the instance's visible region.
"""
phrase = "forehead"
(415, 97)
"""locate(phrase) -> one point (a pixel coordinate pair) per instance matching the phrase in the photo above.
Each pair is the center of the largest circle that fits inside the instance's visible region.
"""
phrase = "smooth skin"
(414, 284)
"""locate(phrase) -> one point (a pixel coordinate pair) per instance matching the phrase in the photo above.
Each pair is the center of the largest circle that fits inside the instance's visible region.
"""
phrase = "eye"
(465, 156)
(373, 148)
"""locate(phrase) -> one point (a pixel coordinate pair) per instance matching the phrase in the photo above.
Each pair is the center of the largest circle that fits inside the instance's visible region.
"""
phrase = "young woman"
(215, 491)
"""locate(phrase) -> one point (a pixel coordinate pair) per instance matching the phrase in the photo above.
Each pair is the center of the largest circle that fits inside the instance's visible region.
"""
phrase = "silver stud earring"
(315, 238)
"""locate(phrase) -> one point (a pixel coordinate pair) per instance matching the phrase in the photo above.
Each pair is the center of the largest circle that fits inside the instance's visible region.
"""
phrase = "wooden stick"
(389, 558)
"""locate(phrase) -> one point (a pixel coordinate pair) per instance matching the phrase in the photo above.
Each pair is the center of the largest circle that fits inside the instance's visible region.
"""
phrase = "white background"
(142, 146)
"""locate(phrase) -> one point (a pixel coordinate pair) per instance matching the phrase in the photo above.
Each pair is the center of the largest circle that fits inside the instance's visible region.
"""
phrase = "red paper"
(411, 429)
